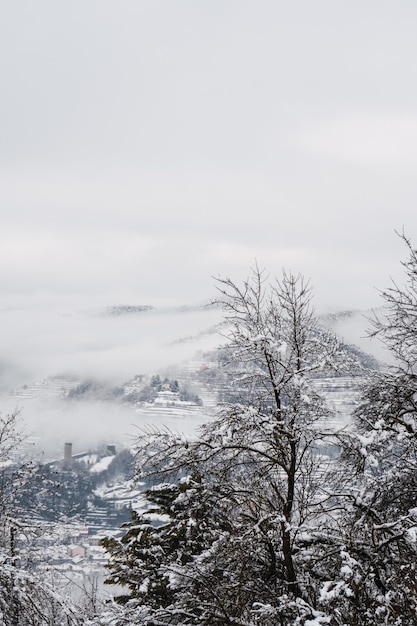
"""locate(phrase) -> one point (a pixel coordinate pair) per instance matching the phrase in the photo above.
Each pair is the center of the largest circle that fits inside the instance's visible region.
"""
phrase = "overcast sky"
(149, 145)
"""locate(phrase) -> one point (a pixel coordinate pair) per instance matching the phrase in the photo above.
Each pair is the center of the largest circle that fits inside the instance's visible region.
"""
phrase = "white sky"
(148, 145)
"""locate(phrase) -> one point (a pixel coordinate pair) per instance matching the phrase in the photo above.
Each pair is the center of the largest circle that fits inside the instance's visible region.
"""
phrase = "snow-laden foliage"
(383, 455)
(27, 597)
(250, 527)
(257, 526)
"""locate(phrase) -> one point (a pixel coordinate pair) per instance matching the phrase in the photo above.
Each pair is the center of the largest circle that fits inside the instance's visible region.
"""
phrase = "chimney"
(68, 452)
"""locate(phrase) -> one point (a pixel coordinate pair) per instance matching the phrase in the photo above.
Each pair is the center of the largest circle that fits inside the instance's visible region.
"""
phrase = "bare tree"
(381, 537)
(26, 597)
(255, 470)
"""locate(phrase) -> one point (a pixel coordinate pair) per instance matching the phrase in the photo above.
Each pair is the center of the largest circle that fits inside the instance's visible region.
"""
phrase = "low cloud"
(45, 342)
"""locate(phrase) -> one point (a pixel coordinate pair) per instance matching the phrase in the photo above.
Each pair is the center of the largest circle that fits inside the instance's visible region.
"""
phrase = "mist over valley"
(49, 351)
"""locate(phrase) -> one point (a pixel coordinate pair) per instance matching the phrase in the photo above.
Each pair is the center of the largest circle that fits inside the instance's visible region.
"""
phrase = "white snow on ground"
(102, 465)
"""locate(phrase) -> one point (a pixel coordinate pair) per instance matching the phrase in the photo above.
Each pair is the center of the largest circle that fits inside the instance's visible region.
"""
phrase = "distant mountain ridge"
(129, 309)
